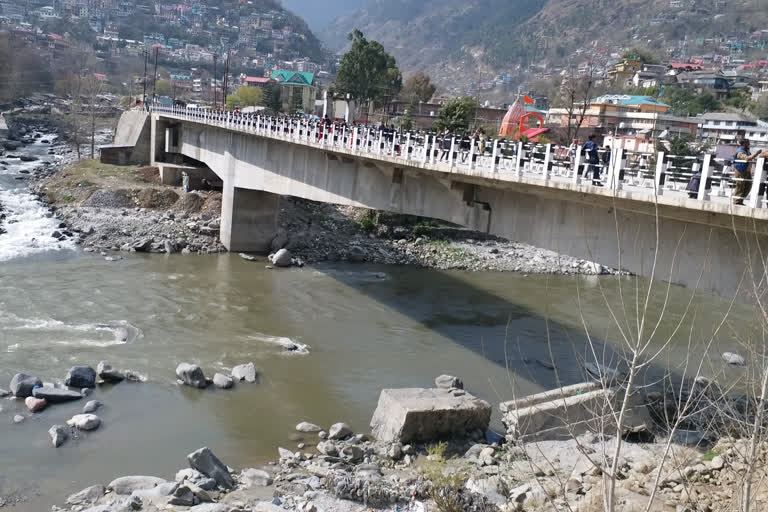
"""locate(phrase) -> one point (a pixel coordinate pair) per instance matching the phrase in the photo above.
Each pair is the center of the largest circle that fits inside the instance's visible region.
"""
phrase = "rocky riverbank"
(333, 469)
(110, 208)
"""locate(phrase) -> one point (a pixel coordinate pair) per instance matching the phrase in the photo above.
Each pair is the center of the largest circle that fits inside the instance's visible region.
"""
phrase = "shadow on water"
(516, 332)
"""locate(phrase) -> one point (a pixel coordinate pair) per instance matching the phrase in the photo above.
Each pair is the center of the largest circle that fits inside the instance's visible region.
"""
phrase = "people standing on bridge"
(593, 159)
(742, 174)
(445, 144)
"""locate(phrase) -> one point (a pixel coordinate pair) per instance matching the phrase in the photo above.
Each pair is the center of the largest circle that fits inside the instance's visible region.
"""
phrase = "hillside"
(474, 40)
(319, 15)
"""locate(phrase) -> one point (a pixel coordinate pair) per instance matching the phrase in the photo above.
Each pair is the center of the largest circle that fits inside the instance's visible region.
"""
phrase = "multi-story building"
(624, 115)
(723, 127)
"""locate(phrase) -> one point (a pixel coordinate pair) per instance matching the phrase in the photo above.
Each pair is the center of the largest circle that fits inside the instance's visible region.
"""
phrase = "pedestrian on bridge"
(593, 159)
(742, 174)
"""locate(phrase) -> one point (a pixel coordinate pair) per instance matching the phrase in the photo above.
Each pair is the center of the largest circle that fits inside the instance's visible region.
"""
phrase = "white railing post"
(612, 176)
(659, 172)
(343, 136)
(472, 153)
(425, 155)
(577, 167)
(494, 154)
(757, 180)
(453, 148)
(547, 157)
(519, 159)
(434, 150)
(703, 195)
(379, 143)
(408, 146)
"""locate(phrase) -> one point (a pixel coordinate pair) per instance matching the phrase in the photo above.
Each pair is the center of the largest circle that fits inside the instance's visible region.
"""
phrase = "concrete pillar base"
(248, 219)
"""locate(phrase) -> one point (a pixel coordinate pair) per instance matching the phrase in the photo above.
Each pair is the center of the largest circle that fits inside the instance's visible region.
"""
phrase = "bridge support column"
(248, 219)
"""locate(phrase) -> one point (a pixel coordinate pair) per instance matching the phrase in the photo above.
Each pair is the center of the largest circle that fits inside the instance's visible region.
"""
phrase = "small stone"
(4, 393)
(339, 431)
(85, 421)
(126, 485)
(59, 434)
(734, 359)
(87, 496)
(305, 426)
(246, 372)
(395, 451)
(18, 418)
(285, 453)
(328, 448)
(223, 381)
(35, 404)
(322, 434)
(191, 375)
(81, 377)
(449, 382)
(255, 477)
(717, 463)
(573, 484)
(91, 406)
(351, 453)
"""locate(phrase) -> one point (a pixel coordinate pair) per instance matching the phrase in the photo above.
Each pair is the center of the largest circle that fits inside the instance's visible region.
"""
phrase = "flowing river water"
(366, 328)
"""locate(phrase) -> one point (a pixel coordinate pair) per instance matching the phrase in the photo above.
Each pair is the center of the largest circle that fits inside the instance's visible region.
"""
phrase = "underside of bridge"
(695, 248)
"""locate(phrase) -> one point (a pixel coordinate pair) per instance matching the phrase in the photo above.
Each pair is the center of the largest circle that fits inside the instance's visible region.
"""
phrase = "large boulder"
(191, 375)
(282, 258)
(81, 377)
(127, 484)
(307, 427)
(23, 384)
(246, 372)
(208, 464)
(108, 374)
(56, 395)
(423, 415)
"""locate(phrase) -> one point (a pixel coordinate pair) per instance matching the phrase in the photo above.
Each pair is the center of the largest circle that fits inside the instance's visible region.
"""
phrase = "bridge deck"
(659, 178)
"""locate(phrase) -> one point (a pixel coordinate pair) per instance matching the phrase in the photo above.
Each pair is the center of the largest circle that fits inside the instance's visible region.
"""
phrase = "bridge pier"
(248, 218)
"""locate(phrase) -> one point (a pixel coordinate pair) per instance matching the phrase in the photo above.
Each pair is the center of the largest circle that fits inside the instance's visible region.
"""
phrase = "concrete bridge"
(524, 192)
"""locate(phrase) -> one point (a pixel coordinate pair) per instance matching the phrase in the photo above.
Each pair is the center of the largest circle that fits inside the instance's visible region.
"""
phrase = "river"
(367, 327)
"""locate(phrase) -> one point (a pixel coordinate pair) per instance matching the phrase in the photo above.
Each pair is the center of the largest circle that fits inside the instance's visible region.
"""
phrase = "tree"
(574, 95)
(368, 72)
(643, 55)
(272, 97)
(685, 102)
(245, 97)
(163, 88)
(418, 87)
(456, 115)
(296, 102)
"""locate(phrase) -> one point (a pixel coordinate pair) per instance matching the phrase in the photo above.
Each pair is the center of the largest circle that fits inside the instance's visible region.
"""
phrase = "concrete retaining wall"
(570, 411)
(131, 145)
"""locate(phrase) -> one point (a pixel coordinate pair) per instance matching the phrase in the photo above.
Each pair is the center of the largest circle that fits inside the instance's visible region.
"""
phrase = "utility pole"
(154, 82)
(215, 96)
(226, 82)
(144, 96)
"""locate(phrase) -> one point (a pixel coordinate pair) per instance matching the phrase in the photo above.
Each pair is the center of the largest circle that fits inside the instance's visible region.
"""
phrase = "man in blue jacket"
(590, 150)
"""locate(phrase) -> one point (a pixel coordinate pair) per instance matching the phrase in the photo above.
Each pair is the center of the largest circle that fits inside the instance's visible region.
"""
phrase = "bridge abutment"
(248, 219)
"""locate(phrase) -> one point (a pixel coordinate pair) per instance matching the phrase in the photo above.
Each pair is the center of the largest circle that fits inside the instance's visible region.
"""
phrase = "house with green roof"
(297, 89)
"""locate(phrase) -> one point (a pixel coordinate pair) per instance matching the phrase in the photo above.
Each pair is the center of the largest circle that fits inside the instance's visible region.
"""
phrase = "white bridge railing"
(700, 178)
